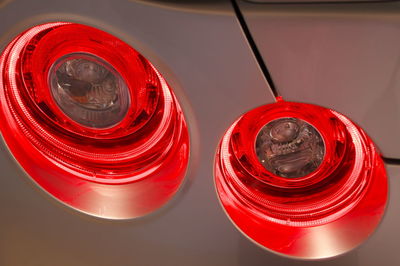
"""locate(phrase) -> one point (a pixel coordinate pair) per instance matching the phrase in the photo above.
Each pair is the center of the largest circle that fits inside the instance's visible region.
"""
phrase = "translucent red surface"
(124, 171)
(323, 214)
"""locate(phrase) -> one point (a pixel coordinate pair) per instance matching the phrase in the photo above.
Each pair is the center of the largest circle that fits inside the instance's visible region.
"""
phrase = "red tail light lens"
(91, 120)
(301, 180)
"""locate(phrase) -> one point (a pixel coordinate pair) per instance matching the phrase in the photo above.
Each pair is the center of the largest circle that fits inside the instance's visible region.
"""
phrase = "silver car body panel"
(205, 57)
(341, 56)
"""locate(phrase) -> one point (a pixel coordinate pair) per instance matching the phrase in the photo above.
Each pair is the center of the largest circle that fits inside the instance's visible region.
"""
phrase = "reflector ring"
(341, 202)
(122, 171)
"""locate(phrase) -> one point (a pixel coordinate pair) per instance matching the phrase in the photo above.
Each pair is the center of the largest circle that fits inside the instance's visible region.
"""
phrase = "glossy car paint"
(202, 52)
(343, 56)
(312, 1)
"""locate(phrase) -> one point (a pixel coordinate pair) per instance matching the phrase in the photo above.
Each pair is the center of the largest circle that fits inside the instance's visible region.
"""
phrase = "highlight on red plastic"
(122, 169)
(325, 213)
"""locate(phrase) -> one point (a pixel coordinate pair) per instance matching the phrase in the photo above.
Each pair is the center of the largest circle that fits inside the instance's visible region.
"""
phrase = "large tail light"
(301, 180)
(91, 120)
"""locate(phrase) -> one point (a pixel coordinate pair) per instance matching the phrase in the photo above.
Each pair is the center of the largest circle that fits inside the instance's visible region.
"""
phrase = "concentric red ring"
(138, 164)
(344, 197)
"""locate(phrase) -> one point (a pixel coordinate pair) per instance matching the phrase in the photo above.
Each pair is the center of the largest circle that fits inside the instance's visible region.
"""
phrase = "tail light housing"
(91, 120)
(300, 180)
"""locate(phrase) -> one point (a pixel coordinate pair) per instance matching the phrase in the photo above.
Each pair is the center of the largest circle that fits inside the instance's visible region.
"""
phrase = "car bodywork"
(202, 51)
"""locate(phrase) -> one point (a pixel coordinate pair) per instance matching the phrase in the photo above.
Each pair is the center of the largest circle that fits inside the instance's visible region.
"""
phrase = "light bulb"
(89, 90)
(290, 147)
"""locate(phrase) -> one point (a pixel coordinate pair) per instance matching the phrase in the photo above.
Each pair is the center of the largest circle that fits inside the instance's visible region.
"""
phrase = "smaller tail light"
(91, 120)
(301, 180)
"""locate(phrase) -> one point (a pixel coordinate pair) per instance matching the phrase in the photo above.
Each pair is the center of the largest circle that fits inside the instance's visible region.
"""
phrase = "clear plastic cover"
(290, 147)
(89, 90)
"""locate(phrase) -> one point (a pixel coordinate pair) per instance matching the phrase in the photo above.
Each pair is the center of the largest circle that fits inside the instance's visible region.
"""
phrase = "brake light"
(301, 180)
(91, 120)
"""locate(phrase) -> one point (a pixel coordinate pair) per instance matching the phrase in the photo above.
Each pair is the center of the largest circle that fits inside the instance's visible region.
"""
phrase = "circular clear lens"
(290, 147)
(89, 90)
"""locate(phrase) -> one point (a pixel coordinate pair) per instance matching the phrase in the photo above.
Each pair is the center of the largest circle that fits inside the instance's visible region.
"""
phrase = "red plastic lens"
(80, 134)
(322, 214)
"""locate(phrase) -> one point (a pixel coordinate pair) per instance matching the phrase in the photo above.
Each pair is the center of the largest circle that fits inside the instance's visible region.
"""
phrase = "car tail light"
(91, 120)
(301, 180)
